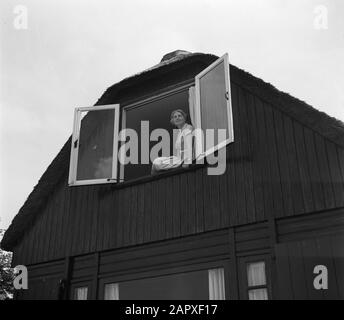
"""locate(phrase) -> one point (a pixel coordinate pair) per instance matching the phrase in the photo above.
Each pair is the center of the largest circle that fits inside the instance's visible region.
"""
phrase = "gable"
(305, 124)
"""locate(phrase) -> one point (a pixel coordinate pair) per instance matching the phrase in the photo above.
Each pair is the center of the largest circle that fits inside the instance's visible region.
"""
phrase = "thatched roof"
(318, 121)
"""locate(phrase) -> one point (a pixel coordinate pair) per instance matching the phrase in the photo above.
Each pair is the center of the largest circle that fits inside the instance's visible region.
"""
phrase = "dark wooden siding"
(296, 262)
(197, 252)
(301, 244)
(43, 281)
(310, 226)
(276, 168)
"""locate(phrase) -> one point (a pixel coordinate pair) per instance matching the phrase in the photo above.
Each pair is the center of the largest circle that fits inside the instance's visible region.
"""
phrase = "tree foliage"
(6, 273)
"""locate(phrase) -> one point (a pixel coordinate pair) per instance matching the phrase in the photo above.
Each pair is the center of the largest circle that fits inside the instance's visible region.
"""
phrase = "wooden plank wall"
(43, 281)
(276, 168)
(309, 226)
(299, 239)
(197, 252)
(295, 268)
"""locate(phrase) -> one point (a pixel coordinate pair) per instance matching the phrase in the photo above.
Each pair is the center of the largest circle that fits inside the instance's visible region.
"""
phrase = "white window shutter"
(94, 146)
(192, 106)
(213, 106)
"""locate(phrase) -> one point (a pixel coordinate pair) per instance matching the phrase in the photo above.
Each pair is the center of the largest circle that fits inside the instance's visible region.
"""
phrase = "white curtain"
(258, 294)
(216, 284)
(192, 105)
(256, 277)
(81, 293)
(256, 274)
(111, 291)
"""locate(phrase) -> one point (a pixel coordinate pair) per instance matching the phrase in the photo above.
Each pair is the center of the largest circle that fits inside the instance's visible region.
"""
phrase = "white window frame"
(72, 180)
(199, 143)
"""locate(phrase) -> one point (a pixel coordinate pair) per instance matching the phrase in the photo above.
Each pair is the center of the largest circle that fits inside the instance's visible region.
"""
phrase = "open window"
(94, 145)
(213, 108)
(146, 118)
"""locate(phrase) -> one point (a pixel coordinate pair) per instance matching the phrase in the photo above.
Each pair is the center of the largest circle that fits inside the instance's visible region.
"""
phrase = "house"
(270, 227)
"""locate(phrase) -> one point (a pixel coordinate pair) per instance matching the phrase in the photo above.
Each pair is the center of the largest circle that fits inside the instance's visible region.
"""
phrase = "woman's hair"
(180, 111)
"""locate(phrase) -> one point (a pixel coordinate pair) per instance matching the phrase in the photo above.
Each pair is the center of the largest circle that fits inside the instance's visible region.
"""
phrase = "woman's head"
(178, 118)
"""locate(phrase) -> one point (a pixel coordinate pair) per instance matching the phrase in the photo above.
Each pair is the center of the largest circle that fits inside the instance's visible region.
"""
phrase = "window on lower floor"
(256, 281)
(80, 293)
(196, 285)
(111, 291)
(216, 279)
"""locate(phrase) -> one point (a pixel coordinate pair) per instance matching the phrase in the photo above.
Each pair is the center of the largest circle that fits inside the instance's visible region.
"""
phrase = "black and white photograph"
(171, 154)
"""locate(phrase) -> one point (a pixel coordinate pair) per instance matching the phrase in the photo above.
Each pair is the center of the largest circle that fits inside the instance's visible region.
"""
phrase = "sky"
(56, 55)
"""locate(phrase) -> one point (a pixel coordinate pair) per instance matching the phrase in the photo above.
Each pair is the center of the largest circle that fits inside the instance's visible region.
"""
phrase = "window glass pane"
(111, 291)
(158, 114)
(183, 286)
(216, 284)
(213, 102)
(258, 294)
(96, 145)
(256, 274)
(80, 293)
